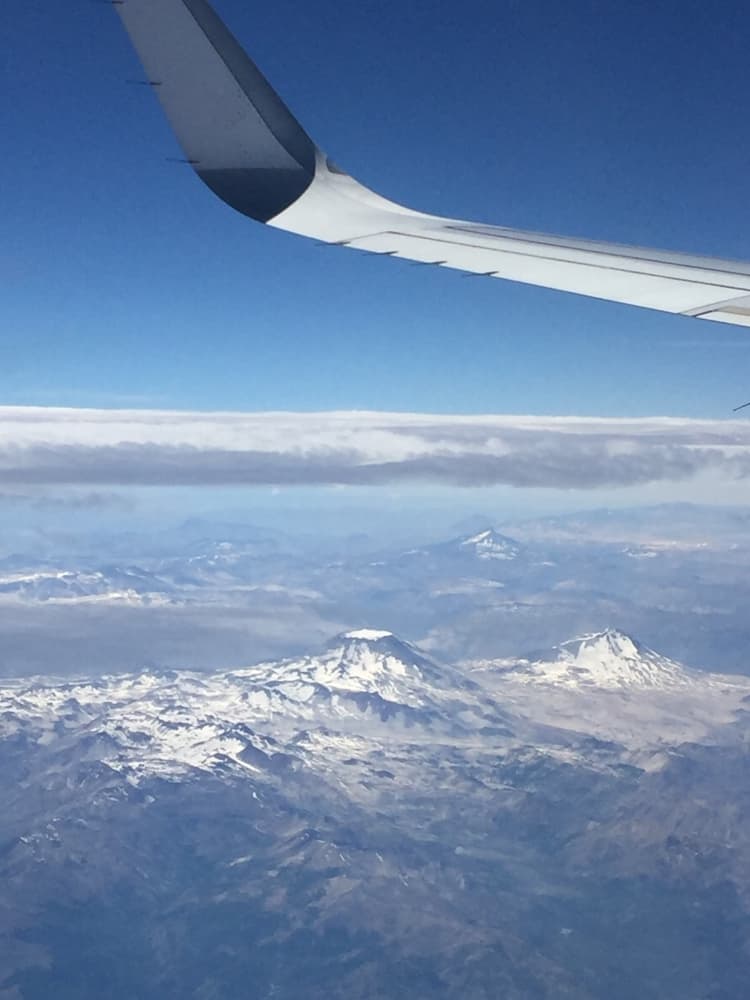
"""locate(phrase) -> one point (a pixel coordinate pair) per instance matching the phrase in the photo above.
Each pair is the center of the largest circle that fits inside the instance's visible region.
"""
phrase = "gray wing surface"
(246, 145)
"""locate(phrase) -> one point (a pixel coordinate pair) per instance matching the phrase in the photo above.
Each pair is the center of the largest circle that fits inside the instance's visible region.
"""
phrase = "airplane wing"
(245, 144)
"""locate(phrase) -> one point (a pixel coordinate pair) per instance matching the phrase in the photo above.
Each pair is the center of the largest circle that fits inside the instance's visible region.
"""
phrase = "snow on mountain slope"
(609, 685)
(373, 675)
(370, 685)
(368, 661)
(143, 724)
(486, 546)
(491, 544)
(608, 660)
(78, 586)
(365, 682)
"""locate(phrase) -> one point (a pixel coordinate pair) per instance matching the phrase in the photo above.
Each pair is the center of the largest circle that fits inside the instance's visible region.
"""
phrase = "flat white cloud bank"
(70, 447)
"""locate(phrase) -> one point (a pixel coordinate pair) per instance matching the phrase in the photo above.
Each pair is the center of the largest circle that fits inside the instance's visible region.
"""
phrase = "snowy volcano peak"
(608, 660)
(606, 645)
(490, 544)
(368, 635)
(371, 676)
(372, 660)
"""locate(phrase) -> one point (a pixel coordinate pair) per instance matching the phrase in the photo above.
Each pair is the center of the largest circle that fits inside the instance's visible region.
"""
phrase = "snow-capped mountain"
(371, 684)
(370, 677)
(486, 546)
(368, 808)
(365, 682)
(490, 545)
(613, 687)
(371, 661)
(109, 585)
(608, 660)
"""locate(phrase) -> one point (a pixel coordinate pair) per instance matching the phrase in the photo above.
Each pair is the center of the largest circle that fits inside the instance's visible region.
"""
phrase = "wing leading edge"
(246, 145)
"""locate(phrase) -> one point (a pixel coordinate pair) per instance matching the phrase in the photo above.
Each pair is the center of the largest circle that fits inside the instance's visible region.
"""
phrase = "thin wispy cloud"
(44, 447)
(69, 500)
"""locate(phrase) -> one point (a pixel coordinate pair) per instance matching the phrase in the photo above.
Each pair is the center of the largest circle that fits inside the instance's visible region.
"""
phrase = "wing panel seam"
(627, 251)
(555, 260)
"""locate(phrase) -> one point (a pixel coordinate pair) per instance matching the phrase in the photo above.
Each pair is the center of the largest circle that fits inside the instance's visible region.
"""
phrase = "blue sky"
(125, 282)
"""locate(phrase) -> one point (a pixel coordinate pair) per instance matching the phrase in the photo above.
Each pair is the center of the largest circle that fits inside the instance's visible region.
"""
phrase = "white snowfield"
(608, 660)
(368, 634)
(491, 545)
(366, 682)
(611, 686)
(55, 586)
(370, 689)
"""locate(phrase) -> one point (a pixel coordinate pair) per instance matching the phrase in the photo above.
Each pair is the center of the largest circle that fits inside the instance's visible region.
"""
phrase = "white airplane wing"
(249, 149)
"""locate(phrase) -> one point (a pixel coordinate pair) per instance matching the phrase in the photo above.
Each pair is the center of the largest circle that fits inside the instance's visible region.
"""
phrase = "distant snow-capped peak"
(490, 544)
(367, 660)
(608, 660)
(70, 586)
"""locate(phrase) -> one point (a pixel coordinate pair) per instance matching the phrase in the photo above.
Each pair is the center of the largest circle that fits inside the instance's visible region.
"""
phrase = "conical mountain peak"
(610, 660)
(490, 544)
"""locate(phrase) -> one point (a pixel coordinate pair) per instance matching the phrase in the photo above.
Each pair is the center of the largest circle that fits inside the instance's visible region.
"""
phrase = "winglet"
(235, 130)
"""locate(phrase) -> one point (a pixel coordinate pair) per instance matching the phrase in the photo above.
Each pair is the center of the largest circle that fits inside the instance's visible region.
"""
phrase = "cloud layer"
(44, 447)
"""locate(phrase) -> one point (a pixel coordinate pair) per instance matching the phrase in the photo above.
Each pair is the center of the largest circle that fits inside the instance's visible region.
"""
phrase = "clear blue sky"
(124, 281)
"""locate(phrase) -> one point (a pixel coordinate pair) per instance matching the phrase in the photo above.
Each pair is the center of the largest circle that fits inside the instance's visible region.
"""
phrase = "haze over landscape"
(366, 632)
(460, 766)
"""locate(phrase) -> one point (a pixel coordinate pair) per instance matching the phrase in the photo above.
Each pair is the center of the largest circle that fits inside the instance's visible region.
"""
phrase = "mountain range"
(207, 595)
(373, 821)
